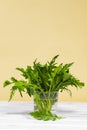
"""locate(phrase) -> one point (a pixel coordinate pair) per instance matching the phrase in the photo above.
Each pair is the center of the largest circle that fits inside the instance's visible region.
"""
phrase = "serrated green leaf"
(13, 79)
(6, 83)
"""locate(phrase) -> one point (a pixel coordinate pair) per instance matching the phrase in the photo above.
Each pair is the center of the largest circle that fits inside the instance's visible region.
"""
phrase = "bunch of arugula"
(44, 78)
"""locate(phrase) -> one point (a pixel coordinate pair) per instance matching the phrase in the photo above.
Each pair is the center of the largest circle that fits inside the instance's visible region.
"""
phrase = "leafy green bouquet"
(43, 81)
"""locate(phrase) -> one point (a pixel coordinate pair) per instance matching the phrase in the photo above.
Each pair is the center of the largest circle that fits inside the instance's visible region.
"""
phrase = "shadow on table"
(60, 112)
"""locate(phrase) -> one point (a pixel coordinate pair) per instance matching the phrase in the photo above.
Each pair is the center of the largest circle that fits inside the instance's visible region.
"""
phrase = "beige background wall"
(41, 29)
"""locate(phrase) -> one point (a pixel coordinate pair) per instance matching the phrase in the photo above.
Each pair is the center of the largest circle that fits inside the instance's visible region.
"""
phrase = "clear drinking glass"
(45, 101)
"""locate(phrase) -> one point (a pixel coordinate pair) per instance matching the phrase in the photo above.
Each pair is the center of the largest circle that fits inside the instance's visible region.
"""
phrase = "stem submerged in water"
(43, 106)
(47, 116)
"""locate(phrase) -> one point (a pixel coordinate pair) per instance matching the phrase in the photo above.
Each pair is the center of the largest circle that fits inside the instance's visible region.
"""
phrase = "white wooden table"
(15, 116)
